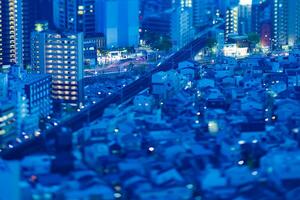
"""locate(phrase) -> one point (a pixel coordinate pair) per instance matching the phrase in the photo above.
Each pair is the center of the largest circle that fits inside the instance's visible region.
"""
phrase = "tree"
(157, 41)
(211, 42)
(164, 43)
(253, 38)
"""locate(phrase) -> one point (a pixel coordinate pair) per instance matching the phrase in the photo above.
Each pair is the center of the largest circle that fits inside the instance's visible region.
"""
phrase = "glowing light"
(151, 149)
(241, 162)
(254, 141)
(37, 133)
(241, 142)
(189, 186)
(213, 127)
(254, 173)
(117, 195)
(245, 2)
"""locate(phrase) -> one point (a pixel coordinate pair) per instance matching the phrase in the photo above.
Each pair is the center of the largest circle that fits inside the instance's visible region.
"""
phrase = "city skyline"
(149, 99)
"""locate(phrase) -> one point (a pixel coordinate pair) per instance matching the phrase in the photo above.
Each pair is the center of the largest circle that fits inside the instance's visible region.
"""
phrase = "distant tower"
(231, 21)
(119, 21)
(244, 17)
(75, 15)
(182, 31)
(203, 12)
(286, 24)
(10, 32)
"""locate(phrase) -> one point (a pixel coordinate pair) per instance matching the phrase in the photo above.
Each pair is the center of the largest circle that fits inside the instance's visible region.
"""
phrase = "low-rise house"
(187, 69)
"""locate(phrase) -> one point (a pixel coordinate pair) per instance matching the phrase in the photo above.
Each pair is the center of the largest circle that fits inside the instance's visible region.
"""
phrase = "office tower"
(75, 15)
(60, 55)
(286, 25)
(182, 31)
(10, 32)
(119, 22)
(203, 12)
(231, 25)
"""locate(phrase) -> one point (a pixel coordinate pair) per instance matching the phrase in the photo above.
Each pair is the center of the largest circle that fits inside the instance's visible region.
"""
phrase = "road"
(87, 115)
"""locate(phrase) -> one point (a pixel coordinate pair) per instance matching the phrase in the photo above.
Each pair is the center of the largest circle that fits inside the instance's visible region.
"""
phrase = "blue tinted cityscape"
(149, 99)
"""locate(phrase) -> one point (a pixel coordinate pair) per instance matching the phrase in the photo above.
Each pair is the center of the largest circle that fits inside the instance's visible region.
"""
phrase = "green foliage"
(157, 41)
(253, 38)
(211, 42)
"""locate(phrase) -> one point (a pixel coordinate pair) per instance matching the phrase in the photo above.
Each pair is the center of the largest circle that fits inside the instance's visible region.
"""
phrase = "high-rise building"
(60, 55)
(75, 15)
(17, 19)
(149, 8)
(244, 17)
(280, 23)
(293, 22)
(10, 32)
(119, 22)
(155, 17)
(286, 24)
(182, 4)
(182, 31)
(203, 12)
(231, 26)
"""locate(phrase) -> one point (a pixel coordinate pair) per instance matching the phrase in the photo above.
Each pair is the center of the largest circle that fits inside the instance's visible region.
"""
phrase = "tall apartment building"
(293, 22)
(182, 31)
(286, 24)
(10, 32)
(231, 24)
(60, 55)
(17, 19)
